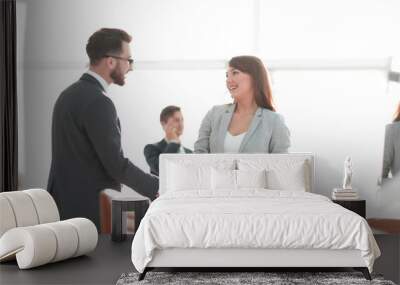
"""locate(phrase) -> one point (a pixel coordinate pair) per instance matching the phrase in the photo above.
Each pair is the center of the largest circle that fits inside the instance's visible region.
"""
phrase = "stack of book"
(344, 194)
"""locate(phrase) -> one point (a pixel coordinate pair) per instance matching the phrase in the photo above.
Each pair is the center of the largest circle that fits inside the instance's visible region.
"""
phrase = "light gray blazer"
(391, 151)
(267, 132)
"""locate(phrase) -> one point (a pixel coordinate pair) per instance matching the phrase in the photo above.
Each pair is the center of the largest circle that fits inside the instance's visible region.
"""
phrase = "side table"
(126, 213)
(388, 263)
(357, 206)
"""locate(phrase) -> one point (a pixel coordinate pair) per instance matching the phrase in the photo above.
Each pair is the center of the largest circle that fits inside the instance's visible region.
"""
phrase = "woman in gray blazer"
(250, 124)
(391, 151)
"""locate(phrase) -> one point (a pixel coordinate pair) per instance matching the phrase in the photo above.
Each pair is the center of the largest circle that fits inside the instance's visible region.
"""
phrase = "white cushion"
(223, 179)
(251, 178)
(32, 246)
(227, 161)
(183, 177)
(26, 208)
(45, 205)
(31, 232)
(289, 174)
(227, 179)
(87, 233)
(40, 244)
(67, 240)
(181, 173)
(7, 218)
(23, 208)
(288, 178)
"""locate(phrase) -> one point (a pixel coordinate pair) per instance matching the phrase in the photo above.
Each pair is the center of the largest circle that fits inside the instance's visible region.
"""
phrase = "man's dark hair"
(168, 112)
(106, 42)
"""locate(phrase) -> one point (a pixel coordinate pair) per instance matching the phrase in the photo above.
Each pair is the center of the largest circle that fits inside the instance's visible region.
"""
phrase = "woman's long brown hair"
(256, 69)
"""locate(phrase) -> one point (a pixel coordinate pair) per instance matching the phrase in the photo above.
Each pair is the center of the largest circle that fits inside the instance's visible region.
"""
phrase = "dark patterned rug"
(269, 278)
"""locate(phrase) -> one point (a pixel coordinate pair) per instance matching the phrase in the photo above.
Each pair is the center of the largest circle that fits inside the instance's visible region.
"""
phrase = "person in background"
(87, 155)
(249, 124)
(391, 151)
(171, 120)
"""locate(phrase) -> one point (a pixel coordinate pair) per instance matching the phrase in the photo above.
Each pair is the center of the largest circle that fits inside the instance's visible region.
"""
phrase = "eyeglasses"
(130, 60)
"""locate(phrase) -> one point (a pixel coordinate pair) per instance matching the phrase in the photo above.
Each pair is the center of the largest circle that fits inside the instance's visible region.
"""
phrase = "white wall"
(332, 113)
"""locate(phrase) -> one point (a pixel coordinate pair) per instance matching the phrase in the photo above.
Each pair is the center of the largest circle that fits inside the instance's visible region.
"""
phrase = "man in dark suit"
(87, 156)
(171, 120)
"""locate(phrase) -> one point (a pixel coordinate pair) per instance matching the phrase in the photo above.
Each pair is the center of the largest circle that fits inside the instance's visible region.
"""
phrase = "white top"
(100, 79)
(232, 143)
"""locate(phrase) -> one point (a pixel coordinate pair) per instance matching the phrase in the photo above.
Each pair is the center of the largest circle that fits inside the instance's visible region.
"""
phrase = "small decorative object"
(346, 192)
(348, 173)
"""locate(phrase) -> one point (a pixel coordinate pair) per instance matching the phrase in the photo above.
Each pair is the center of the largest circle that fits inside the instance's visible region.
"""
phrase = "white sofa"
(31, 231)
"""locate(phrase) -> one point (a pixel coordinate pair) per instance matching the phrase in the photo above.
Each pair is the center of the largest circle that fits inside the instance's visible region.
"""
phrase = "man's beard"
(117, 76)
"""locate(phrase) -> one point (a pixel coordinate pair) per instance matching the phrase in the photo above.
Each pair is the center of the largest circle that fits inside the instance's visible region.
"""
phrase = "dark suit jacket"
(152, 153)
(86, 152)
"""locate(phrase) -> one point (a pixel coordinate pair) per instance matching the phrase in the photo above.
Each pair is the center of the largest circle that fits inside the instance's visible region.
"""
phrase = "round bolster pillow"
(26, 208)
(40, 244)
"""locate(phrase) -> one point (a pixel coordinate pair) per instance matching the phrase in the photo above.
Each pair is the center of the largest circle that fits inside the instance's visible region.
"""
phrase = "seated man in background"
(172, 123)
